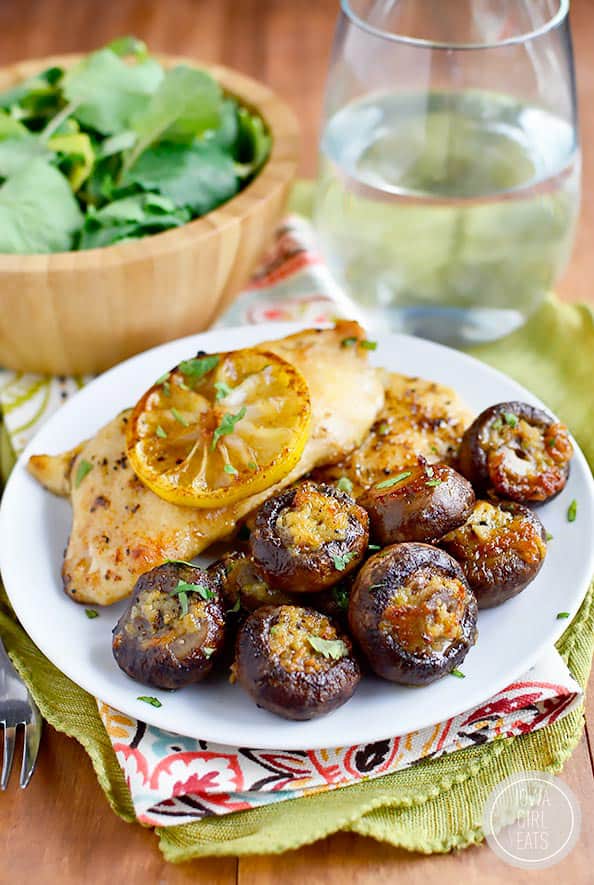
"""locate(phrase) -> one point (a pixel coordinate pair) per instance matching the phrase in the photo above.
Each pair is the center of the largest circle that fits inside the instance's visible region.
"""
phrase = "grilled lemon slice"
(220, 427)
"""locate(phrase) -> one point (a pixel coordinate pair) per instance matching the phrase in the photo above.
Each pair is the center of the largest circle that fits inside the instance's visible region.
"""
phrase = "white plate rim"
(299, 735)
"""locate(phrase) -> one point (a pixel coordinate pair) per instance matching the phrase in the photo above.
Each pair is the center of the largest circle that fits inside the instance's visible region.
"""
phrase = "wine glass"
(449, 178)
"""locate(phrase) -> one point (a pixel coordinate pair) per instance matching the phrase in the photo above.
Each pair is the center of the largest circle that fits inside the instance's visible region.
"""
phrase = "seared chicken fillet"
(418, 418)
(121, 529)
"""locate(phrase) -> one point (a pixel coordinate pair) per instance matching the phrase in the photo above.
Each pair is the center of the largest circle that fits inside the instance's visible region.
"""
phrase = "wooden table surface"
(61, 829)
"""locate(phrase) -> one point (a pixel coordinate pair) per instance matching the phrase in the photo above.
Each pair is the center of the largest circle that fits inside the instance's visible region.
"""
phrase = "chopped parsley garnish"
(435, 450)
(429, 471)
(388, 483)
(229, 468)
(227, 425)
(434, 482)
(84, 467)
(341, 597)
(383, 429)
(548, 536)
(167, 388)
(154, 702)
(164, 377)
(344, 485)
(572, 511)
(208, 652)
(183, 588)
(179, 417)
(199, 366)
(252, 465)
(222, 390)
(341, 562)
(510, 419)
(497, 424)
(348, 342)
(374, 547)
(91, 613)
(457, 673)
(333, 649)
(162, 434)
(562, 615)
(368, 345)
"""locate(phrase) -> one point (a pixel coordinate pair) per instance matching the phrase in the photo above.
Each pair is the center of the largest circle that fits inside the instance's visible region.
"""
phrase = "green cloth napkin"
(434, 806)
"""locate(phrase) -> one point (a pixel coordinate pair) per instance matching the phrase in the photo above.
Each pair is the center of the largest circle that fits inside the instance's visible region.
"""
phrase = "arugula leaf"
(199, 176)
(104, 92)
(185, 104)
(38, 212)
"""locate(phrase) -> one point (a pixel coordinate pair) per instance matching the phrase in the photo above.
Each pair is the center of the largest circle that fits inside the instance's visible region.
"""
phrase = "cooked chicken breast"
(121, 529)
(418, 418)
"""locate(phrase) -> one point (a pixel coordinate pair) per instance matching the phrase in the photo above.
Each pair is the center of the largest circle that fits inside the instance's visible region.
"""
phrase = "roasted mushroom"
(308, 538)
(243, 587)
(173, 628)
(516, 452)
(419, 503)
(412, 613)
(334, 601)
(294, 662)
(501, 549)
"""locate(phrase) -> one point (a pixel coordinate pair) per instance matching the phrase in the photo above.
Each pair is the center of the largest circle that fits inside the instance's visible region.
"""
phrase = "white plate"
(34, 527)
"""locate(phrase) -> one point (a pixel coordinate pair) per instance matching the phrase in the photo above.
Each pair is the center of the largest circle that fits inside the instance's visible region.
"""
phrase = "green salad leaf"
(186, 104)
(253, 142)
(32, 93)
(10, 127)
(16, 153)
(130, 218)
(77, 156)
(226, 135)
(200, 176)
(104, 92)
(116, 148)
(38, 211)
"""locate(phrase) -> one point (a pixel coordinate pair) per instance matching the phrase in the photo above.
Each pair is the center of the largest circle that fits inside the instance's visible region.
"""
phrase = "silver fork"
(17, 707)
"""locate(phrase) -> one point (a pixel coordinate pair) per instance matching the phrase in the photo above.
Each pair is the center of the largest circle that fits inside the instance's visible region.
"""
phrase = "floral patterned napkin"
(174, 779)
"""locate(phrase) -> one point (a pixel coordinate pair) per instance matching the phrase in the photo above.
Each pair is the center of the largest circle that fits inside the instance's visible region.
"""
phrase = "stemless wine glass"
(449, 164)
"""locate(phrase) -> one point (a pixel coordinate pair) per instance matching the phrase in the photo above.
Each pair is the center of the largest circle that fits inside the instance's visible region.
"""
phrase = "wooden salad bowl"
(81, 312)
